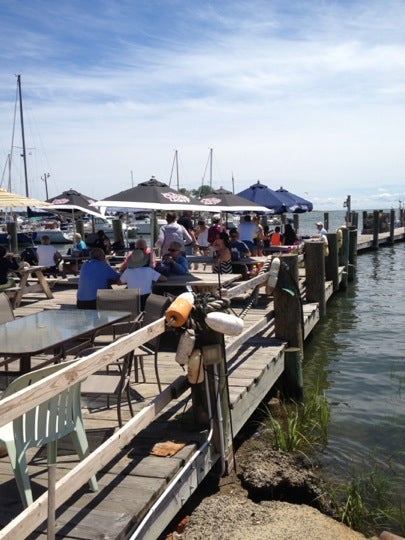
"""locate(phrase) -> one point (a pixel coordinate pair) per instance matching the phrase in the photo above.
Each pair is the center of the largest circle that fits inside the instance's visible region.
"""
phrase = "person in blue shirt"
(174, 262)
(95, 274)
(79, 243)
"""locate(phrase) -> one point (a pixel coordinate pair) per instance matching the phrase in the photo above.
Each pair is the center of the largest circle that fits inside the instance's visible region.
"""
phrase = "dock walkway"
(140, 491)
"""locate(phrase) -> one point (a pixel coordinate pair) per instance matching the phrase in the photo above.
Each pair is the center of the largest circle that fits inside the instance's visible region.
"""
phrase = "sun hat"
(137, 259)
(319, 224)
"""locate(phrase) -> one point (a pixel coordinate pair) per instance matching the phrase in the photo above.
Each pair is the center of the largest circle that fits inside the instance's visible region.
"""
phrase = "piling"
(343, 257)
(117, 228)
(352, 254)
(331, 261)
(376, 219)
(315, 274)
(12, 232)
(392, 226)
(292, 377)
(288, 320)
(80, 228)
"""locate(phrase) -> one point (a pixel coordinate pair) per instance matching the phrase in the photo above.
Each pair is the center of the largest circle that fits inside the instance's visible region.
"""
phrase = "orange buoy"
(177, 313)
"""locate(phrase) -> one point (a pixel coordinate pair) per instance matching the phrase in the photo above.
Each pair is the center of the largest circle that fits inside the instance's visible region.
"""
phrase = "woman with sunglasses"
(222, 257)
(174, 262)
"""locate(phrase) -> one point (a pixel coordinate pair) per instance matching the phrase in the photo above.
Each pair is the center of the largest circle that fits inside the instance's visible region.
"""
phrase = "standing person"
(48, 255)
(172, 232)
(289, 236)
(222, 259)
(202, 237)
(188, 224)
(247, 230)
(139, 274)
(321, 228)
(238, 250)
(7, 264)
(95, 274)
(215, 228)
(275, 239)
(258, 236)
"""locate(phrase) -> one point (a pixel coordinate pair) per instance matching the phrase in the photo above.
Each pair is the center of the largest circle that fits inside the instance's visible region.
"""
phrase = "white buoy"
(224, 323)
(273, 275)
(185, 347)
(195, 369)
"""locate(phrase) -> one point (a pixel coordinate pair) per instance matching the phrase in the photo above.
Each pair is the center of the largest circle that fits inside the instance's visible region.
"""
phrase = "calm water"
(357, 353)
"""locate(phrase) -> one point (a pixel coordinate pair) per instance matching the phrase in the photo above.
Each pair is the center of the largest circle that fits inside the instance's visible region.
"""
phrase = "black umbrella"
(151, 195)
(72, 200)
(278, 202)
(222, 199)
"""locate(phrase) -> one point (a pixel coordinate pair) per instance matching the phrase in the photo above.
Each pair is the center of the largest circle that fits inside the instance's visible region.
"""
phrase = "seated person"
(138, 274)
(102, 241)
(238, 250)
(140, 244)
(48, 256)
(173, 262)
(7, 263)
(95, 274)
(289, 236)
(79, 244)
(222, 258)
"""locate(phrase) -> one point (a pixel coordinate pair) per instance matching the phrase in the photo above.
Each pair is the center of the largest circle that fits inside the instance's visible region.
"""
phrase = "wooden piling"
(288, 310)
(12, 232)
(392, 226)
(352, 254)
(117, 228)
(292, 376)
(80, 228)
(376, 216)
(331, 261)
(344, 257)
(291, 260)
(326, 220)
(315, 274)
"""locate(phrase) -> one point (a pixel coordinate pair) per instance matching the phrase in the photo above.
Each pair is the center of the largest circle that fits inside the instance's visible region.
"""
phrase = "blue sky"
(309, 95)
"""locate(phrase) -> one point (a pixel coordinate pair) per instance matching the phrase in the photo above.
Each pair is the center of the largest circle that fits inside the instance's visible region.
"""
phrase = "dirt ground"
(272, 495)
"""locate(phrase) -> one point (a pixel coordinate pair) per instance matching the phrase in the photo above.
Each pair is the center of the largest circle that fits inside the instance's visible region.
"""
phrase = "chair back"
(120, 300)
(155, 307)
(50, 420)
(6, 311)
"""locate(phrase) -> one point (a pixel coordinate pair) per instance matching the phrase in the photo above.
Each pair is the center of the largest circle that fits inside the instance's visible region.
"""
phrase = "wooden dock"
(139, 490)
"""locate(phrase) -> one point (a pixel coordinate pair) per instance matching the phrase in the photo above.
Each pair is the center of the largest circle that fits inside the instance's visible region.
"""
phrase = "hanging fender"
(273, 275)
(195, 369)
(224, 323)
(185, 347)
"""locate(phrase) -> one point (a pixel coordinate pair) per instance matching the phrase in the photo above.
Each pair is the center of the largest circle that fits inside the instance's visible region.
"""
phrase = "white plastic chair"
(60, 415)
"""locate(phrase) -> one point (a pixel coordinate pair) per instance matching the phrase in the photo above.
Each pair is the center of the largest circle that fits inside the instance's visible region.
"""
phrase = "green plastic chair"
(45, 424)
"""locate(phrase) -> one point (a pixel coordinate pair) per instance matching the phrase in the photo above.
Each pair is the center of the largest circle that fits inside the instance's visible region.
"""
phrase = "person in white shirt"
(172, 232)
(140, 275)
(48, 256)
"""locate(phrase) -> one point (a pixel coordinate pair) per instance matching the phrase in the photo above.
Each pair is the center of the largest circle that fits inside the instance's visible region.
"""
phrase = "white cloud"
(308, 95)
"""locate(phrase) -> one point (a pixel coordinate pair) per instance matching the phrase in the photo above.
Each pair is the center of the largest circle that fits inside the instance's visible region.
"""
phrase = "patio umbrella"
(222, 199)
(12, 200)
(277, 202)
(72, 200)
(151, 195)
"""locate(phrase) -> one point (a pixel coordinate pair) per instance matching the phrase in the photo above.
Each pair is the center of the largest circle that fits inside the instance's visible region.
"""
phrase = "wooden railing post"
(12, 232)
(315, 274)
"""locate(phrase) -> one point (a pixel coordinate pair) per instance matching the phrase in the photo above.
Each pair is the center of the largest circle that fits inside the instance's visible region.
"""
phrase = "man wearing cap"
(139, 275)
(321, 228)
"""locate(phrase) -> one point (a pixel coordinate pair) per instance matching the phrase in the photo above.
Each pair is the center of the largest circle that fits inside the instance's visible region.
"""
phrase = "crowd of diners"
(177, 239)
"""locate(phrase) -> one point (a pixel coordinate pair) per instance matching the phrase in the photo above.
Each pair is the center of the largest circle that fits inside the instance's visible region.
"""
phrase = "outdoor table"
(204, 282)
(51, 330)
(24, 288)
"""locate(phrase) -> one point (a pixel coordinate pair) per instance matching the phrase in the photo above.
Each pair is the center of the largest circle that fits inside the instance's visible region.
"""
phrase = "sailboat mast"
(211, 168)
(24, 154)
